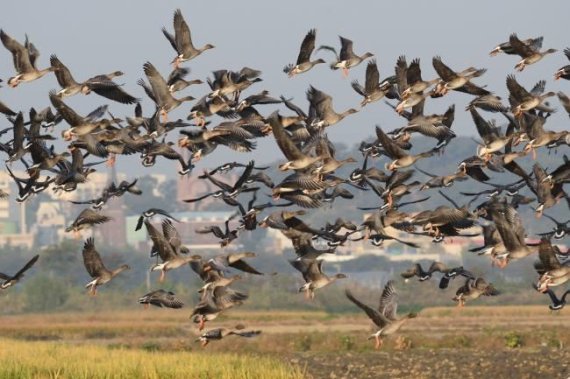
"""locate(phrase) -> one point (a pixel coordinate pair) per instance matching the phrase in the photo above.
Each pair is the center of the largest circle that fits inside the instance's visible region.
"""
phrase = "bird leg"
(204, 343)
(162, 275)
(544, 285)
(345, 72)
(197, 156)
(112, 159)
(164, 115)
(502, 263)
(76, 234)
(176, 63)
(390, 200)
(379, 343)
(202, 323)
(146, 306)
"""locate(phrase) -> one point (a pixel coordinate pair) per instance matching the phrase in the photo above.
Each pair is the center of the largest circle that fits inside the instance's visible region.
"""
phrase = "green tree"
(45, 293)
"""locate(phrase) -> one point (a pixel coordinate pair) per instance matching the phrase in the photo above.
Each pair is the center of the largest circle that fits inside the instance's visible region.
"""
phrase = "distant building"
(114, 231)
(49, 224)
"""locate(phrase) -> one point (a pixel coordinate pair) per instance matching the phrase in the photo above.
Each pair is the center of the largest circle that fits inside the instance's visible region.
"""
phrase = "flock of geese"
(309, 160)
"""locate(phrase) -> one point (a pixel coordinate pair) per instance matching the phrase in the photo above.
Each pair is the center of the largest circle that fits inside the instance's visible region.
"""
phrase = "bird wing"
(487, 132)
(171, 234)
(401, 73)
(91, 217)
(68, 114)
(565, 101)
(520, 47)
(547, 256)
(19, 132)
(389, 146)
(389, 301)
(372, 77)
(444, 72)
(438, 267)
(157, 83)
(92, 259)
(307, 47)
(543, 189)
(170, 39)
(218, 183)
(20, 54)
(182, 36)
(28, 265)
(538, 88)
(516, 90)
(473, 89)
(247, 334)
(4, 109)
(414, 73)
(377, 317)
(62, 73)
(242, 265)
(411, 272)
(112, 91)
(244, 176)
(345, 48)
(287, 146)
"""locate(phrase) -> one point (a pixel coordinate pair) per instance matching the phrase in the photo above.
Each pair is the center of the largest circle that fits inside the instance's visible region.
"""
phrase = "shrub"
(513, 340)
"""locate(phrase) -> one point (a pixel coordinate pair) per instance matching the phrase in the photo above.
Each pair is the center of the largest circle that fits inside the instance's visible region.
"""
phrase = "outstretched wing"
(28, 265)
(389, 301)
(376, 317)
(92, 259)
(307, 47)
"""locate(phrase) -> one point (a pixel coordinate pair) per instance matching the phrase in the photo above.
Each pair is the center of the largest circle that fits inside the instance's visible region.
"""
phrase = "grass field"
(60, 360)
(489, 341)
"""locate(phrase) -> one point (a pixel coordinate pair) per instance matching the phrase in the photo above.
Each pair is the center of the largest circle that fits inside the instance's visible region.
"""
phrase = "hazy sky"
(103, 36)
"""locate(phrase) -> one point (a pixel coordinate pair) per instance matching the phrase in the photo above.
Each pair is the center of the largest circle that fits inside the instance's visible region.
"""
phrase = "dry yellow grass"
(56, 360)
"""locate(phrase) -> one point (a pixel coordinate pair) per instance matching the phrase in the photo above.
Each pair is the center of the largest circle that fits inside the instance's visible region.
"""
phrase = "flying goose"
(325, 115)
(552, 272)
(96, 269)
(11, 280)
(523, 100)
(304, 62)
(373, 89)
(452, 80)
(161, 298)
(297, 160)
(473, 289)
(528, 52)
(181, 41)
(507, 48)
(218, 334)
(315, 278)
(87, 218)
(170, 257)
(100, 84)
(164, 100)
(24, 57)
(400, 159)
(385, 317)
(347, 58)
(214, 301)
